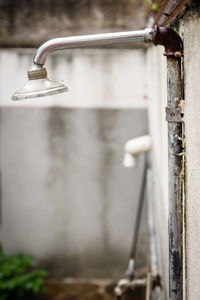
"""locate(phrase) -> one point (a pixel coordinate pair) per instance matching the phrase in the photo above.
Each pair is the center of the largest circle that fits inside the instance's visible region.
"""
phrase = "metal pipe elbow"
(170, 39)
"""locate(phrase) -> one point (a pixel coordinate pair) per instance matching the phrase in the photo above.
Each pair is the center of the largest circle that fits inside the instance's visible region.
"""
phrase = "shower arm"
(158, 36)
(140, 36)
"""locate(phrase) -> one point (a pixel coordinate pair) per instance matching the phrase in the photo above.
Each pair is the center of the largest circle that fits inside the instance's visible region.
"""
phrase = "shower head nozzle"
(38, 85)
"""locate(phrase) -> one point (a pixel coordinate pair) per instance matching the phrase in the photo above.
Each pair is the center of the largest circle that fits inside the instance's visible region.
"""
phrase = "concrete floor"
(86, 290)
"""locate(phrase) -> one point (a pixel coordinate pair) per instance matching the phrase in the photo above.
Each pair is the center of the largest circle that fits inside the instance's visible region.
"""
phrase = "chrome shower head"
(38, 85)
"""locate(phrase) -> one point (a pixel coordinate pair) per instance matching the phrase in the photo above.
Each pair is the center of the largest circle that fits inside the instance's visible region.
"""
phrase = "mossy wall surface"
(29, 23)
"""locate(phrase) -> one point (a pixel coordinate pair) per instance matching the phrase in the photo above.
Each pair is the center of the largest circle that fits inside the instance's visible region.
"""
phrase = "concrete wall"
(191, 28)
(66, 198)
(29, 23)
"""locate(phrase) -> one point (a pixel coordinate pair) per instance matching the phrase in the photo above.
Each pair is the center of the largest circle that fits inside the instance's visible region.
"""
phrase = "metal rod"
(156, 292)
(50, 46)
(139, 211)
(151, 223)
(148, 293)
(175, 180)
(130, 269)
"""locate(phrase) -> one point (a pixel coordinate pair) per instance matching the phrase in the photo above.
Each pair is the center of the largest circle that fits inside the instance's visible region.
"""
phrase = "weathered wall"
(29, 23)
(191, 29)
(66, 197)
(157, 100)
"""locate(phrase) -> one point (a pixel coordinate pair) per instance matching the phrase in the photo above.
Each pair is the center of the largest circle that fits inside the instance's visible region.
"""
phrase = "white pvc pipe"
(133, 148)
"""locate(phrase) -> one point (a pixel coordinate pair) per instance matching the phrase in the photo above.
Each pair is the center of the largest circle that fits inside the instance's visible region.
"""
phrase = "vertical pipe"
(174, 91)
(173, 44)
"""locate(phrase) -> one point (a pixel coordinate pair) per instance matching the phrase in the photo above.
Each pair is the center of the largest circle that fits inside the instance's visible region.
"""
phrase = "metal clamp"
(174, 114)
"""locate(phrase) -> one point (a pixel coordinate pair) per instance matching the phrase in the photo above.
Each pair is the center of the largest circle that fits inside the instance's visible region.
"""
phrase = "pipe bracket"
(170, 39)
(174, 114)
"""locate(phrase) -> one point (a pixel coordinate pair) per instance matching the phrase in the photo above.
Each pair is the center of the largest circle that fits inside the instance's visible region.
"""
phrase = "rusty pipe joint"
(170, 39)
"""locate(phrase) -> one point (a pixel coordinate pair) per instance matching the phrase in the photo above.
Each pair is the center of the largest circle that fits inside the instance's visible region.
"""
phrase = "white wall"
(66, 198)
(95, 77)
(191, 29)
(157, 101)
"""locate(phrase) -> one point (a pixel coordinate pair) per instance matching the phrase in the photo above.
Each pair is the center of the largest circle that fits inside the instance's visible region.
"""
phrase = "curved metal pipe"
(39, 85)
(50, 46)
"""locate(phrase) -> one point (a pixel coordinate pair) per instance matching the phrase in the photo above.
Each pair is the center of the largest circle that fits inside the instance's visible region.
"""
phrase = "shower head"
(38, 85)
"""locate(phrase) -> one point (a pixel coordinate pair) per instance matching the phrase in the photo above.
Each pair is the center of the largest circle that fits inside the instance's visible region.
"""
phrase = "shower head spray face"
(38, 85)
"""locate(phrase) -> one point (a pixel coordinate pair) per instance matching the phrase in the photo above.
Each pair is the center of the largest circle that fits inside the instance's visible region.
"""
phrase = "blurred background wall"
(28, 23)
(65, 196)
